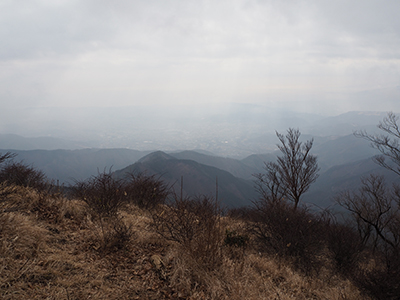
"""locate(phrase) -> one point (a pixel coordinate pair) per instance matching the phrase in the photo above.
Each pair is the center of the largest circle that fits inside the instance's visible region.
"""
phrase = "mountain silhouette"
(198, 179)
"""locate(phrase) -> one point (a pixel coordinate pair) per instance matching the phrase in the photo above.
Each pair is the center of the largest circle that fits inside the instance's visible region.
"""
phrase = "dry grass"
(50, 248)
(256, 277)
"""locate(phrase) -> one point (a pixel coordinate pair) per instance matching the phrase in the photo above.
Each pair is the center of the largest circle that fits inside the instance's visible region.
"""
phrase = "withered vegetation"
(134, 239)
(53, 247)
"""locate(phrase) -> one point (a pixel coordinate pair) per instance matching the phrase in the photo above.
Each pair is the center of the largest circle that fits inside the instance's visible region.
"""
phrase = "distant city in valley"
(232, 130)
(231, 144)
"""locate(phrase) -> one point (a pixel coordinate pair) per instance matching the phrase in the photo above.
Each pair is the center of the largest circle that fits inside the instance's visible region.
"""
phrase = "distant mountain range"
(201, 171)
(238, 168)
(234, 130)
(345, 124)
(345, 177)
(66, 166)
(200, 178)
(342, 158)
(14, 141)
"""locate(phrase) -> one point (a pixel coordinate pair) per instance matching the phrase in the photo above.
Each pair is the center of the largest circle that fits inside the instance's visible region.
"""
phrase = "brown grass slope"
(53, 248)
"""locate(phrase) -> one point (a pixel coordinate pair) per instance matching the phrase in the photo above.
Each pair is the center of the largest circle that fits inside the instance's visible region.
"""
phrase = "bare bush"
(146, 191)
(103, 194)
(345, 246)
(17, 173)
(376, 211)
(116, 235)
(236, 243)
(195, 225)
(295, 234)
(6, 156)
(383, 280)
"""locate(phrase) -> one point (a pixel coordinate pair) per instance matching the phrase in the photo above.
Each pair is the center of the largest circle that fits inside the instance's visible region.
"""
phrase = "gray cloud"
(83, 53)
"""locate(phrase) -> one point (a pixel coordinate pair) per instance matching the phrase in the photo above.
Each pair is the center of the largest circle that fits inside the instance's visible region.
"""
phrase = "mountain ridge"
(198, 179)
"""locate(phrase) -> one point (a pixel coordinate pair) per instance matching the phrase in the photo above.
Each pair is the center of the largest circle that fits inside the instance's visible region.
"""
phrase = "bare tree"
(269, 184)
(388, 143)
(293, 173)
(375, 208)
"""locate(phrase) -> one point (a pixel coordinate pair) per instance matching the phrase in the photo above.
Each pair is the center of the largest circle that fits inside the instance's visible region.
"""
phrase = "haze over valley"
(88, 85)
(231, 146)
(235, 130)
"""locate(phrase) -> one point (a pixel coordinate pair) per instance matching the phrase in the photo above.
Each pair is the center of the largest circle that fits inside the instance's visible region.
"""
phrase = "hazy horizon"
(64, 64)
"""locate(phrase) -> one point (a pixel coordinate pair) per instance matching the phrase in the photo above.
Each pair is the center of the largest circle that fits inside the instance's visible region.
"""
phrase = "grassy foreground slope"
(54, 248)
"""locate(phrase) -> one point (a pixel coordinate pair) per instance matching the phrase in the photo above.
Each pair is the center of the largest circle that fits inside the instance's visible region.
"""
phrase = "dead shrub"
(295, 234)
(375, 209)
(17, 173)
(103, 194)
(236, 243)
(146, 192)
(345, 246)
(116, 236)
(382, 281)
(195, 225)
(111, 235)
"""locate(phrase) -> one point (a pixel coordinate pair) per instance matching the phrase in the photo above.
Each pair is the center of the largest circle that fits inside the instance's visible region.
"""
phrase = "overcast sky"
(318, 56)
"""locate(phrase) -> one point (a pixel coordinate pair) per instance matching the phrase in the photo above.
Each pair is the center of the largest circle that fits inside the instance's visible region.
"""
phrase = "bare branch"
(388, 144)
(6, 156)
(293, 173)
(373, 208)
